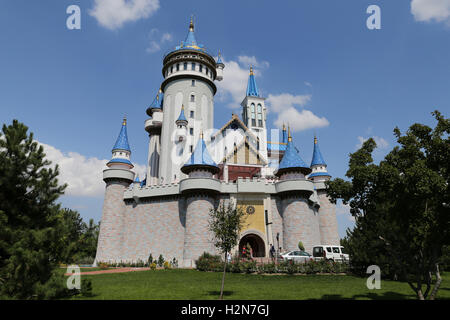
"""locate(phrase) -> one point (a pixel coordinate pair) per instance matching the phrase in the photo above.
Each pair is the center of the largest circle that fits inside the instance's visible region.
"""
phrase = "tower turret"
(121, 151)
(153, 127)
(318, 165)
(189, 73)
(219, 68)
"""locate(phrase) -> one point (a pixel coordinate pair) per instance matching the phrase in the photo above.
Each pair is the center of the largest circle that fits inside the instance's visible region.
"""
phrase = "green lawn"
(193, 284)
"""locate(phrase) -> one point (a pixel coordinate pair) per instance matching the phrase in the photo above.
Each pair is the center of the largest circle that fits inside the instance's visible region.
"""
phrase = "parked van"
(330, 252)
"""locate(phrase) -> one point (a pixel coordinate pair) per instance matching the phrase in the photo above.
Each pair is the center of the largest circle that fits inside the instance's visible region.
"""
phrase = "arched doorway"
(256, 243)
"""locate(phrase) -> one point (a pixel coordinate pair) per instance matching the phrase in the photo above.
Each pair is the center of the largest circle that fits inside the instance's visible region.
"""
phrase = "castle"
(192, 167)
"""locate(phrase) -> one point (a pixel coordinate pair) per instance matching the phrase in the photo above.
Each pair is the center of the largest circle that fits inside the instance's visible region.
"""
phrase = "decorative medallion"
(250, 209)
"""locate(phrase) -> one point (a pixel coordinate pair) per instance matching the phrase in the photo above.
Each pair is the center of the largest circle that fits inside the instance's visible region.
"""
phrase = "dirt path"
(115, 270)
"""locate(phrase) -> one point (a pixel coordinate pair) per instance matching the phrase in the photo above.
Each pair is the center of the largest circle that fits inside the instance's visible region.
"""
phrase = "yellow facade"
(256, 220)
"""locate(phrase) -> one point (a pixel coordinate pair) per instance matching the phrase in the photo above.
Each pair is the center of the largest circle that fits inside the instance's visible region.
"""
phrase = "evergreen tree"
(29, 241)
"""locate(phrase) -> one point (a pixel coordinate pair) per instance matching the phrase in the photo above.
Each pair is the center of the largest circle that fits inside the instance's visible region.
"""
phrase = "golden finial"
(160, 90)
(191, 24)
(182, 107)
(251, 70)
(157, 97)
(201, 134)
(315, 139)
(284, 127)
(124, 123)
(289, 134)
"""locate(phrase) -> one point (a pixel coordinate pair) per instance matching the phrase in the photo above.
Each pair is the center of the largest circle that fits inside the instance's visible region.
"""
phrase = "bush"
(150, 259)
(167, 265)
(174, 263)
(160, 260)
(86, 288)
(153, 266)
(209, 262)
(103, 265)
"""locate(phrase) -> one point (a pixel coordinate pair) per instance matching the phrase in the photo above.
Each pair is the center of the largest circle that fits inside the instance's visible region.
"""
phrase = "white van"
(330, 252)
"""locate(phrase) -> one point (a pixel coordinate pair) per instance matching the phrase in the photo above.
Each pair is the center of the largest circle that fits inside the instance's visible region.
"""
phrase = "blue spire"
(252, 89)
(292, 160)
(284, 137)
(190, 38)
(317, 158)
(219, 59)
(200, 158)
(181, 117)
(122, 139)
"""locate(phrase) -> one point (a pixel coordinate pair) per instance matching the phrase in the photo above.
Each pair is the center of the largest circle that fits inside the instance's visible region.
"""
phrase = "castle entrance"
(256, 244)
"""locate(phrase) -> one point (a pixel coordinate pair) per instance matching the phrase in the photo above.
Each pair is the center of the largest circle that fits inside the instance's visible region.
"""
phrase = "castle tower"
(299, 220)
(200, 191)
(153, 127)
(327, 212)
(254, 113)
(189, 73)
(117, 177)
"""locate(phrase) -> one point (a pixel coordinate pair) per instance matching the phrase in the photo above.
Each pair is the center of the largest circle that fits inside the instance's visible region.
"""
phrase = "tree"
(226, 223)
(401, 205)
(29, 246)
(300, 246)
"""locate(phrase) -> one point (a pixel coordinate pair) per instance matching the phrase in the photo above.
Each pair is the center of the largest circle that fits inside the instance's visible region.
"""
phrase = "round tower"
(117, 177)
(153, 127)
(200, 190)
(299, 220)
(189, 73)
(327, 211)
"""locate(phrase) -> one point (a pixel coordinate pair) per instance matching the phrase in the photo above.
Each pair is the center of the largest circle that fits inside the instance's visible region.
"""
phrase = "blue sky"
(318, 64)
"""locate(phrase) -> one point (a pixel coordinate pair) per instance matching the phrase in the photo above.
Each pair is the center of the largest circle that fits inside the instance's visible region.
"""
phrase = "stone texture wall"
(154, 226)
(327, 220)
(197, 238)
(112, 224)
(277, 221)
(299, 224)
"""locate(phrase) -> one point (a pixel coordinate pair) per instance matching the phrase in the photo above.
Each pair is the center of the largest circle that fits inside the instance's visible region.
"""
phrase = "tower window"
(193, 83)
(185, 66)
(192, 114)
(201, 68)
(191, 148)
(178, 67)
(171, 69)
(193, 66)
(207, 71)
(191, 131)
(192, 98)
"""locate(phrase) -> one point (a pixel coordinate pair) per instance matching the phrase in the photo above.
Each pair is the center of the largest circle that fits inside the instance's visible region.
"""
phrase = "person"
(272, 251)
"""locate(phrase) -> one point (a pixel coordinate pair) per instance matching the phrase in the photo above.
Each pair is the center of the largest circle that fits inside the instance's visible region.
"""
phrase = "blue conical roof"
(292, 160)
(200, 158)
(182, 117)
(122, 139)
(219, 59)
(190, 40)
(157, 102)
(317, 158)
(252, 89)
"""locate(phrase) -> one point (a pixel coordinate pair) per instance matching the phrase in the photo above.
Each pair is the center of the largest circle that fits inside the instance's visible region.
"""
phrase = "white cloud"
(84, 176)
(156, 41)
(112, 14)
(284, 106)
(381, 142)
(235, 78)
(429, 10)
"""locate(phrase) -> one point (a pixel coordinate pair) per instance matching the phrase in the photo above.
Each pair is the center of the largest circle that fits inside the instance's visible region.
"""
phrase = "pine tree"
(29, 219)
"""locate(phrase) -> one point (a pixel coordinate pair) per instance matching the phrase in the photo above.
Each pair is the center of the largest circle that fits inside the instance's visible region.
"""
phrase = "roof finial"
(284, 126)
(201, 134)
(182, 107)
(315, 139)
(251, 70)
(289, 134)
(191, 24)
(124, 123)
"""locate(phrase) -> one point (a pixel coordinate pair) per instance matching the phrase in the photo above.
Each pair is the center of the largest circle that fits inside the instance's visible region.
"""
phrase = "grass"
(181, 284)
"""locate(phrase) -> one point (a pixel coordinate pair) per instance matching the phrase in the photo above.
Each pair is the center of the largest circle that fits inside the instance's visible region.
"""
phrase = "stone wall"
(327, 220)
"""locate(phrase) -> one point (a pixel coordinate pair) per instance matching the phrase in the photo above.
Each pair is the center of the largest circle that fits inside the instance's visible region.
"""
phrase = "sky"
(320, 67)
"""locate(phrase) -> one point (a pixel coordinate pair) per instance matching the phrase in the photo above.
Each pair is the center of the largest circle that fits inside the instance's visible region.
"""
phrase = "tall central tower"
(189, 73)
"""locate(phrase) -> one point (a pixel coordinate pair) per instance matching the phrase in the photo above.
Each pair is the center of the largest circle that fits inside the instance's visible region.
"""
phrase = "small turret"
(219, 68)
(200, 161)
(252, 89)
(181, 121)
(292, 165)
(318, 165)
(121, 151)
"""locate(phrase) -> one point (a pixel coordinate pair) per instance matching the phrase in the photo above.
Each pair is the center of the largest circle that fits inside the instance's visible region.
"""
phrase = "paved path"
(114, 270)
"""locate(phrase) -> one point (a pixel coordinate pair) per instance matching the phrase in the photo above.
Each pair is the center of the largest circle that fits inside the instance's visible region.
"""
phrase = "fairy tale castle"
(192, 167)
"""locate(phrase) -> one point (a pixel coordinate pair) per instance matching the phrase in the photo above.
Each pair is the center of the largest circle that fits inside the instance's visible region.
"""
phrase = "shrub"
(248, 266)
(86, 288)
(103, 265)
(150, 259)
(174, 263)
(270, 267)
(160, 260)
(209, 262)
(167, 265)
(301, 246)
(153, 266)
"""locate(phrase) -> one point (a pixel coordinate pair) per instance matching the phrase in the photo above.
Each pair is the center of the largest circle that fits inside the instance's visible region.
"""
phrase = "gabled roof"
(200, 158)
(252, 89)
(122, 139)
(251, 148)
(317, 158)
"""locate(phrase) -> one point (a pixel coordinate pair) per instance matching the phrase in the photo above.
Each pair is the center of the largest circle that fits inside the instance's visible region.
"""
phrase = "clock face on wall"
(250, 209)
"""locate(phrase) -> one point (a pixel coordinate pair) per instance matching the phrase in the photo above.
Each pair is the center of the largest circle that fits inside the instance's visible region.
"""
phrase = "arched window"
(193, 66)
(178, 67)
(185, 66)
(260, 122)
(252, 109)
(201, 68)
